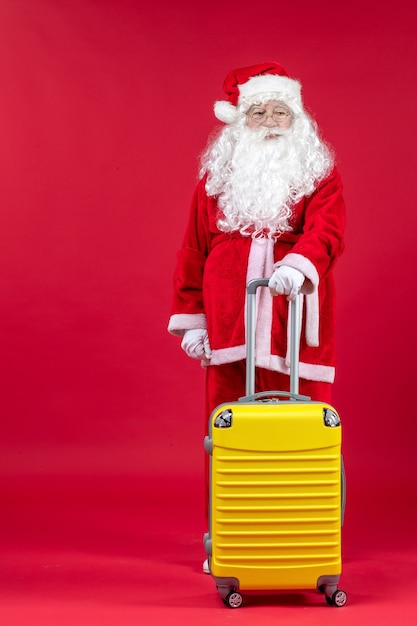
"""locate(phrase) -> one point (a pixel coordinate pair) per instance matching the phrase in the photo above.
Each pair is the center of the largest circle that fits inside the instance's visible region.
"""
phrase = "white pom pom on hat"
(249, 82)
(225, 111)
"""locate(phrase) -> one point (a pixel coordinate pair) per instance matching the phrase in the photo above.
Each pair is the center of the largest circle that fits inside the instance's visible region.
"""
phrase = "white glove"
(195, 343)
(286, 280)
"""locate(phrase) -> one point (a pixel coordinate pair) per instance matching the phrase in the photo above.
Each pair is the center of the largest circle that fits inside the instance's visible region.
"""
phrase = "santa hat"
(250, 83)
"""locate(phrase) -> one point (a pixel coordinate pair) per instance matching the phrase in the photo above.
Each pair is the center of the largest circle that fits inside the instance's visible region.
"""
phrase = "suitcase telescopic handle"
(252, 288)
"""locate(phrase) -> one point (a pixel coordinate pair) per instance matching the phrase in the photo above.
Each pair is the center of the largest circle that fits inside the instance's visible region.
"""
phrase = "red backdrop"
(105, 106)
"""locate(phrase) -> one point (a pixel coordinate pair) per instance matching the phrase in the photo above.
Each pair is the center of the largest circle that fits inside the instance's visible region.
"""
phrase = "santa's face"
(261, 165)
(272, 114)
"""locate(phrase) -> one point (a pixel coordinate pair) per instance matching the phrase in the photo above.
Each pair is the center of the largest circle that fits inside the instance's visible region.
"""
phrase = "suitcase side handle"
(252, 288)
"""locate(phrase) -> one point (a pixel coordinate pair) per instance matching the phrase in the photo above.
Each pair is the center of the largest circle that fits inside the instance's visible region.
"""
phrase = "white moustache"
(264, 132)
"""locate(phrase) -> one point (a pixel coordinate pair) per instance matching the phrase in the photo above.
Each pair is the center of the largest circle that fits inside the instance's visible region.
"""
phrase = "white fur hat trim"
(288, 89)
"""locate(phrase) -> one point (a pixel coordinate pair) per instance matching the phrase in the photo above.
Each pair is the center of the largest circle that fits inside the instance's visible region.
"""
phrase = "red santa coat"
(214, 267)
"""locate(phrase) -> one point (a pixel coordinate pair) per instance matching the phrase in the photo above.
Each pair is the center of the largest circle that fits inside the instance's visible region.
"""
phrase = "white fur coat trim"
(310, 289)
(308, 371)
(180, 322)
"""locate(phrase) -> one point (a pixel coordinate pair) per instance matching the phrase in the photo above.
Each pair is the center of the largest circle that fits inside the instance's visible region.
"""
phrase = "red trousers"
(226, 383)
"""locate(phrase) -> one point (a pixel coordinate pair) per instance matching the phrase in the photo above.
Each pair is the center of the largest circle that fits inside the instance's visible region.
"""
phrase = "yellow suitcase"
(277, 490)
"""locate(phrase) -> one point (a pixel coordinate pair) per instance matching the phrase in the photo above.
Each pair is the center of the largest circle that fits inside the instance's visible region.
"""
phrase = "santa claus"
(268, 204)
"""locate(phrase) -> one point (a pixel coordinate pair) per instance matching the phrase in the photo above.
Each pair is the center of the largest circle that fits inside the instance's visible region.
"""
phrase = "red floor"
(121, 551)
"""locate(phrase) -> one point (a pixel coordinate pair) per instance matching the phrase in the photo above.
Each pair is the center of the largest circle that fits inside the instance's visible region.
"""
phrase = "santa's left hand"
(195, 343)
(286, 280)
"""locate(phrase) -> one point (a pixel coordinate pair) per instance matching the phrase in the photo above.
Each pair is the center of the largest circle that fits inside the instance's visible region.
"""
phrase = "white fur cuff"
(180, 322)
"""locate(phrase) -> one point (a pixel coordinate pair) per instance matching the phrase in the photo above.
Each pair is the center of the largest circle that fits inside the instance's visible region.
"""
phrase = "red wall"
(105, 106)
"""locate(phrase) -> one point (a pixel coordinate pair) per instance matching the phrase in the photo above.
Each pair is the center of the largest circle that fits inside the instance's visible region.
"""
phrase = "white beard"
(258, 179)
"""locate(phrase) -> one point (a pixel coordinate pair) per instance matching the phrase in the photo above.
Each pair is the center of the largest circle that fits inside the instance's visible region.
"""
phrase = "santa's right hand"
(195, 343)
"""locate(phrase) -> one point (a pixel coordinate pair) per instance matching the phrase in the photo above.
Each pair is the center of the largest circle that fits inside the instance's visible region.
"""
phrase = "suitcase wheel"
(338, 598)
(233, 600)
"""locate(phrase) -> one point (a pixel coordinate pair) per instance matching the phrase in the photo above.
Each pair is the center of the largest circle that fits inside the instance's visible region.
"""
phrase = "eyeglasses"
(260, 115)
